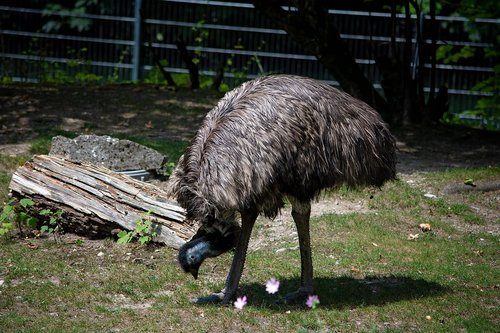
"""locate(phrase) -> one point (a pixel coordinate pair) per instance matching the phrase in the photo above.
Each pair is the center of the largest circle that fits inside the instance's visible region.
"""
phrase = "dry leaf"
(32, 246)
(149, 125)
(469, 182)
(425, 227)
(355, 270)
(412, 236)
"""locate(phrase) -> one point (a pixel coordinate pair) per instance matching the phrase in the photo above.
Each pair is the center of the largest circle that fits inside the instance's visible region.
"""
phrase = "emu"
(274, 137)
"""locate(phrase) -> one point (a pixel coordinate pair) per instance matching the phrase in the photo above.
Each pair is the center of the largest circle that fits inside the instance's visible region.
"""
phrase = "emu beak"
(194, 272)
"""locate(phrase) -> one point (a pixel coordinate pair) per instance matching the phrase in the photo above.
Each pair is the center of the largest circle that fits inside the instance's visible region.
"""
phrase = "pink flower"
(272, 286)
(240, 302)
(312, 301)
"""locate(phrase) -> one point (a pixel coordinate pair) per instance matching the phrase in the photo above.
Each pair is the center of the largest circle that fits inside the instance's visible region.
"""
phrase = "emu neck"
(201, 247)
(210, 245)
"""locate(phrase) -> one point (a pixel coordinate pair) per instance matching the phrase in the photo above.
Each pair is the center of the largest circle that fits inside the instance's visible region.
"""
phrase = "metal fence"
(221, 33)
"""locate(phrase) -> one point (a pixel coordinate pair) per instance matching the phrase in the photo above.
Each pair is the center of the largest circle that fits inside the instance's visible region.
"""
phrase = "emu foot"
(297, 297)
(222, 297)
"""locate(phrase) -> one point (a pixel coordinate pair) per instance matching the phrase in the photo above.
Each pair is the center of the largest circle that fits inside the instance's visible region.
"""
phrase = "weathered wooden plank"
(96, 200)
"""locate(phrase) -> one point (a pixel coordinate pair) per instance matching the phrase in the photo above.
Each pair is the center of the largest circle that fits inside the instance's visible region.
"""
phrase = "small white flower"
(272, 286)
(312, 301)
(240, 302)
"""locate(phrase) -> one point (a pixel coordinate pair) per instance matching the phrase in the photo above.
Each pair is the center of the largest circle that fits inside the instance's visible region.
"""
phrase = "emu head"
(208, 242)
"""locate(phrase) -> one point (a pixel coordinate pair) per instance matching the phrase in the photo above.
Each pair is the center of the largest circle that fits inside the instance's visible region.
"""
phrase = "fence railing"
(116, 46)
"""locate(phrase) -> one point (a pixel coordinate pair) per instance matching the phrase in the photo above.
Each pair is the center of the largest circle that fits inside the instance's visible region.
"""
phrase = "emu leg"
(301, 212)
(233, 278)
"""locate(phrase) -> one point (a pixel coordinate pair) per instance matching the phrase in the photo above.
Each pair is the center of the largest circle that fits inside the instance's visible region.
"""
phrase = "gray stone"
(112, 153)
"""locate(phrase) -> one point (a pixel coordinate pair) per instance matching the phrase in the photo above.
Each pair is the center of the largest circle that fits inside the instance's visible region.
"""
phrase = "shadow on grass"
(348, 292)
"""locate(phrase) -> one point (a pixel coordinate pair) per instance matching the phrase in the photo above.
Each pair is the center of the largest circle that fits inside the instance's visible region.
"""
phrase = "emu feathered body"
(279, 136)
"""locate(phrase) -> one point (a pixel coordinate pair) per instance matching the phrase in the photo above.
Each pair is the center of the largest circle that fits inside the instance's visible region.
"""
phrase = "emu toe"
(297, 297)
(222, 297)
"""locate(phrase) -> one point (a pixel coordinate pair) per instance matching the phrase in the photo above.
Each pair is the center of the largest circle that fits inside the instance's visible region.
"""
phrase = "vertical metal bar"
(136, 56)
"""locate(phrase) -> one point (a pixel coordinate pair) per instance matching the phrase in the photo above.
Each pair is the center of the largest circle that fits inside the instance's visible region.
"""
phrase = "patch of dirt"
(15, 149)
(274, 234)
(152, 111)
(160, 113)
(440, 148)
(121, 301)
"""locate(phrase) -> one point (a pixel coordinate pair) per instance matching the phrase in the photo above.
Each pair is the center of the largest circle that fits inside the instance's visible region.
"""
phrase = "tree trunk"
(188, 60)
(96, 200)
(419, 108)
(312, 27)
(156, 59)
(408, 82)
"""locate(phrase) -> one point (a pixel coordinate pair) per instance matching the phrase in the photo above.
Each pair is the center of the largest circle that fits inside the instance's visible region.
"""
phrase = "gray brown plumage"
(273, 137)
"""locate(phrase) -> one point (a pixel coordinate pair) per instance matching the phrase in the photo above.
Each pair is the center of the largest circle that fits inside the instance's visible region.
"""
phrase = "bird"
(271, 139)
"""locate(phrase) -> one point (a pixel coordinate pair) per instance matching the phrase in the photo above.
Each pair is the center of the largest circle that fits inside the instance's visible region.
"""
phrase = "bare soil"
(28, 111)
(156, 112)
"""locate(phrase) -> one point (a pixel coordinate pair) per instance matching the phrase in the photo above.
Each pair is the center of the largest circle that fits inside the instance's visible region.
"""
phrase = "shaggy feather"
(276, 136)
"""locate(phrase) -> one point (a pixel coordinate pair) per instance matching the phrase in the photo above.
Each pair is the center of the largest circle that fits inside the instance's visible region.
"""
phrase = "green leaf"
(51, 8)
(124, 240)
(144, 239)
(22, 216)
(7, 210)
(140, 228)
(26, 202)
(6, 228)
(124, 237)
(81, 24)
(447, 53)
(45, 212)
(52, 26)
(32, 222)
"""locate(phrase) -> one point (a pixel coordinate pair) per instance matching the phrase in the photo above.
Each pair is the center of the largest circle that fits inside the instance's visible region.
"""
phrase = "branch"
(156, 58)
(188, 60)
(314, 29)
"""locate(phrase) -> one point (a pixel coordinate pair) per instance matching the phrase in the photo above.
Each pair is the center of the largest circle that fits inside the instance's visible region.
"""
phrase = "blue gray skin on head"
(204, 245)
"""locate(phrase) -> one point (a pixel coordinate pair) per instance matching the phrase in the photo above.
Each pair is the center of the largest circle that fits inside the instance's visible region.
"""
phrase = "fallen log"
(96, 200)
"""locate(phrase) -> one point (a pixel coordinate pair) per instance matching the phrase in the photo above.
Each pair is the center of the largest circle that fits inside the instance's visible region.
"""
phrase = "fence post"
(136, 54)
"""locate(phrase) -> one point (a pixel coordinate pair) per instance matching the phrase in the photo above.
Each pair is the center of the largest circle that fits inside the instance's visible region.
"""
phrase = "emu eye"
(192, 257)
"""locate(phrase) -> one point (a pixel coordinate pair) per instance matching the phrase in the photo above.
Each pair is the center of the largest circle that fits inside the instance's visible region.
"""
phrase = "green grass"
(368, 275)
